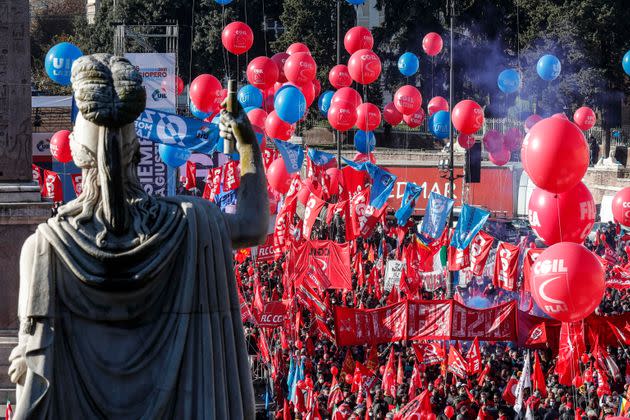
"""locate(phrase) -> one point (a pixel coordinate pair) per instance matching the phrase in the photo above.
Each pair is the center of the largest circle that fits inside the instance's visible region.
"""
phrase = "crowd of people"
(328, 388)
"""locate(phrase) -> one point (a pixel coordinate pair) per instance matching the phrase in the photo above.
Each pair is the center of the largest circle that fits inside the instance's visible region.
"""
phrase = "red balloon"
(237, 37)
(262, 72)
(364, 66)
(584, 117)
(560, 115)
(620, 206)
(500, 157)
(299, 344)
(300, 68)
(432, 44)
(585, 358)
(342, 115)
(276, 128)
(349, 378)
(512, 139)
(565, 217)
(309, 382)
(334, 179)
(298, 47)
(449, 411)
(414, 120)
(467, 116)
(358, 38)
(362, 157)
(205, 93)
(437, 104)
(280, 58)
(347, 94)
(278, 177)
(431, 416)
(567, 282)
(339, 76)
(257, 117)
(493, 141)
(556, 153)
(334, 370)
(381, 370)
(391, 114)
(60, 146)
(368, 117)
(531, 121)
(177, 81)
(407, 100)
(466, 140)
(308, 90)
(268, 103)
(318, 87)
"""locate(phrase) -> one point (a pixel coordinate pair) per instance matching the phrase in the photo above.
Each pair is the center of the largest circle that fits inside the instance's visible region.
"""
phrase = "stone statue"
(128, 303)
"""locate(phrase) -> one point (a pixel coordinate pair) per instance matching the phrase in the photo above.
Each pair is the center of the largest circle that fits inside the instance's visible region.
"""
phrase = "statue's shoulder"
(196, 202)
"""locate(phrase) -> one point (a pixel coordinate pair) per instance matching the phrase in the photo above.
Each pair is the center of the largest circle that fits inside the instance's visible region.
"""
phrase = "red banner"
(370, 326)
(77, 183)
(429, 353)
(497, 323)
(334, 260)
(474, 358)
(217, 177)
(52, 186)
(363, 217)
(190, 180)
(268, 251)
(618, 278)
(274, 314)
(506, 262)
(429, 320)
(479, 251)
(531, 255)
(312, 209)
(231, 179)
(458, 259)
(353, 181)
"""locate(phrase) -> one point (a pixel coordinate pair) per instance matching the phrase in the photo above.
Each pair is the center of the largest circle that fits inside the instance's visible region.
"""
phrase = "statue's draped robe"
(149, 331)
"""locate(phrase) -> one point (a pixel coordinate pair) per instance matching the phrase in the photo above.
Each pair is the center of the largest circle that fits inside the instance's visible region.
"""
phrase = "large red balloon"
(437, 104)
(60, 146)
(257, 117)
(300, 68)
(368, 117)
(556, 153)
(466, 140)
(280, 58)
(584, 117)
(364, 66)
(339, 76)
(308, 90)
(347, 94)
(342, 115)
(205, 93)
(512, 139)
(620, 206)
(568, 282)
(237, 37)
(467, 116)
(432, 44)
(278, 177)
(358, 38)
(531, 121)
(407, 100)
(499, 157)
(414, 120)
(298, 47)
(391, 114)
(493, 141)
(276, 128)
(565, 217)
(449, 411)
(262, 72)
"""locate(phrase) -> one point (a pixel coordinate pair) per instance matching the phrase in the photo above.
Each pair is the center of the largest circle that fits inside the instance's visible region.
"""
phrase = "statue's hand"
(17, 369)
(236, 127)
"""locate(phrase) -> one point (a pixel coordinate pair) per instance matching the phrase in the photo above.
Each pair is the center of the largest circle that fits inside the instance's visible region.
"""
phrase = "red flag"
(268, 157)
(456, 363)
(571, 348)
(231, 179)
(207, 190)
(37, 176)
(474, 358)
(413, 409)
(273, 314)
(483, 374)
(479, 250)
(531, 255)
(311, 300)
(509, 394)
(340, 208)
(217, 180)
(506, 262)
(190, 180)
(416, 381)
(8, 413)
(537, 335)
(323, 329)
(52, 186)
(429, 353)
(538, 377)
(363, 217)
(400, 374)
(77, 183)
(312, 209)
(353, 182)
(263, 347)
(393, 296)
(389, 376)
(371, 361)
(458, 259)
(335, 396)
(258, 302)
(246, 313)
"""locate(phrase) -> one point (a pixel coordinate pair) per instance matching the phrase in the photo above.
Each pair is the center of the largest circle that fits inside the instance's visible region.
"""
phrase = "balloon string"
(246, 22)
(559, 221)
(264, 27)
(226, 57)
(192, 38)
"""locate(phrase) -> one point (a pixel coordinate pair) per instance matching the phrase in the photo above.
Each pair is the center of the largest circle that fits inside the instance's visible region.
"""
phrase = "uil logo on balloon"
(549, 272)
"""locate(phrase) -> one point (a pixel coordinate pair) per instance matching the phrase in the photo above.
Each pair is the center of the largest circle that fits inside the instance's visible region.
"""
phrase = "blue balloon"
(173, 156)
(59, 62)
(408, 64)
(430, 124)
(250, 95)
(509, 81)
(440, 124)
(356, 2)
(223, 2)
(324, 102)
(364, 141)
(548, 67)
(626, 62)
(196, 112)
(290, 104)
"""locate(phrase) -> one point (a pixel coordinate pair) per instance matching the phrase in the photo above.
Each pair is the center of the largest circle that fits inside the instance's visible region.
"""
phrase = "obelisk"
(21, 207)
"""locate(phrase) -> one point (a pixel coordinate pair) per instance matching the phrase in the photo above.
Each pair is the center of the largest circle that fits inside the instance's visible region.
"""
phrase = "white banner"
(393, 273)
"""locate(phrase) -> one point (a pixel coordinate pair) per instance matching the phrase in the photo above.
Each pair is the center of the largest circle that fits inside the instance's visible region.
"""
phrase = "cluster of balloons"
(568, 280)
(58, 63)
(408, 62)
(548, 68)
(501, 145)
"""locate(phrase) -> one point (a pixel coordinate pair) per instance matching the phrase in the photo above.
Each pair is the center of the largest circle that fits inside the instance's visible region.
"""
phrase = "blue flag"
(299, 376)
(435, 216)
(291, 375)
(382, 184)
(175, 130)
(471, 220)
(412, 192)
(320, 158)
(292, 154)
(354, 165)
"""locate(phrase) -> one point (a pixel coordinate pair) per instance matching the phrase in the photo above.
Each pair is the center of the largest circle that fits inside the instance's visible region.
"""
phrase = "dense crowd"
(328, 389)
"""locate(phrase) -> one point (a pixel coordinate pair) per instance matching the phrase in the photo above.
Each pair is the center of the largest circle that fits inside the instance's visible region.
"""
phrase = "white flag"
(523, 382)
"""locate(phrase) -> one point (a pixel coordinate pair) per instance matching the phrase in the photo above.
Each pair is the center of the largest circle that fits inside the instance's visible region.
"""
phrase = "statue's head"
(109, 95)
